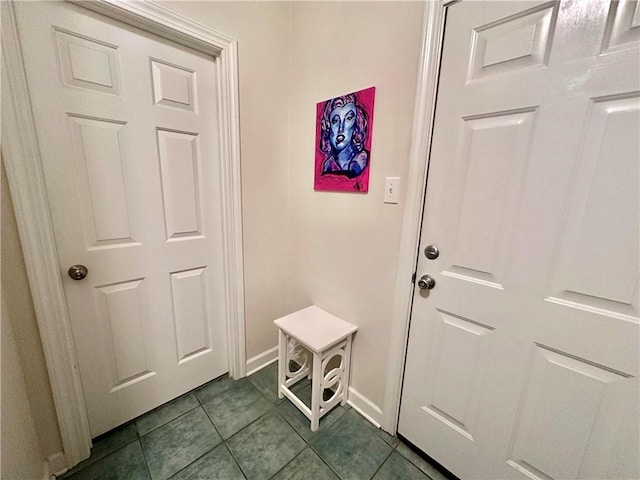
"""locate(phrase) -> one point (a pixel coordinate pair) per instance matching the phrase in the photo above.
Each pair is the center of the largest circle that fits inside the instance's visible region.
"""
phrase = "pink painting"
(344, 126)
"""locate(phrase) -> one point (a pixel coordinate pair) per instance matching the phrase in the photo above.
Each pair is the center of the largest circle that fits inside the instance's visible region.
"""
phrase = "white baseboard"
(56, 465)
(365, 407)
(356, 400)
(262, 360)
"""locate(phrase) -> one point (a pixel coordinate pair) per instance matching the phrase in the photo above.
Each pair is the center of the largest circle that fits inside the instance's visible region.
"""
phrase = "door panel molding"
(423, 116)
(21, 156)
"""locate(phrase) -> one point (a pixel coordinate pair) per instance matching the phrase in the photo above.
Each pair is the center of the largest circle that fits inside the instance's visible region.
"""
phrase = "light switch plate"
(391, 189)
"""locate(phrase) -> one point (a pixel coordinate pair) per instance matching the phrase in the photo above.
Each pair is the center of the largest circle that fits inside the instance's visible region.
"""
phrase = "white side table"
(312, 337)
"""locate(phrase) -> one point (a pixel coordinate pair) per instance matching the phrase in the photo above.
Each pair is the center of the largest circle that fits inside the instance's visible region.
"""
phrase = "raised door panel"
(623, 26)
(495, 148)
(601, 233)
(173, 86)
(122, 319)
(509, 45)
(100, 181)
(190, 313)
(569, 414)
(454, 372)
(87, 62)
(179, 164)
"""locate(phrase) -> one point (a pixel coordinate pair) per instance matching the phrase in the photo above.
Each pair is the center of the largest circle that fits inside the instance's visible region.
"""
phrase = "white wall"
(17, 297)
(20, 454)
(262, 31)
(344, 246)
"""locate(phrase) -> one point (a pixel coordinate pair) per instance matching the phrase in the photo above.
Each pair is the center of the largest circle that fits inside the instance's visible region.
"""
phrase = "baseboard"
(262, 360)
(356, 400)
(55, 464)
(365, 407)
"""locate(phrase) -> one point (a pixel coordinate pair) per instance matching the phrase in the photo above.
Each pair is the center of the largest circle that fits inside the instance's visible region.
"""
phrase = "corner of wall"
(56, 465)
(288, 221)
(365, 407)
(20, 446)
(19, 305)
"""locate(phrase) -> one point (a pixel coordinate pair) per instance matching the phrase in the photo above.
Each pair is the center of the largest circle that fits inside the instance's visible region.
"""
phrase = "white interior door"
(523, 359)
(128, 134)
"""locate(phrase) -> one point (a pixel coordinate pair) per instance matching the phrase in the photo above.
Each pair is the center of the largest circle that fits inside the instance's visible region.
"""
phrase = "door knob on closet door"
(78, 272)
(426, 282)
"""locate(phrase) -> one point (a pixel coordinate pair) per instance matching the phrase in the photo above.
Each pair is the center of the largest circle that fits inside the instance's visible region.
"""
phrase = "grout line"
(213, 424)
(68, 473)
(251, 423)
(172, 420)
(144, 457)
(313, 449)
(233, 457)
(165, 423)
(212, 381)
(208, 451)
(195, 460)
(382, 464)
(235, 382)
(325, 462)
(139, 440)
(290, 461)
(274, 410)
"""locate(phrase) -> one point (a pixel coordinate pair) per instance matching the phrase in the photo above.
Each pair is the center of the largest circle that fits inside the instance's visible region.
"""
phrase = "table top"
(314, 328)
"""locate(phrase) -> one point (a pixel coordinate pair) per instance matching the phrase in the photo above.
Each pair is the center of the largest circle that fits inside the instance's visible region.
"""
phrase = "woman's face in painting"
(343, 122)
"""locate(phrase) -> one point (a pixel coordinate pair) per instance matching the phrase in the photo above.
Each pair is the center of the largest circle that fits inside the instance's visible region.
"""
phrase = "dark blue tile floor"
(230, 429)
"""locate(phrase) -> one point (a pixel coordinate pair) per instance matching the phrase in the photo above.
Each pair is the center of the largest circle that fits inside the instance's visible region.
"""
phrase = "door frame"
(423, 119)
(21, 156)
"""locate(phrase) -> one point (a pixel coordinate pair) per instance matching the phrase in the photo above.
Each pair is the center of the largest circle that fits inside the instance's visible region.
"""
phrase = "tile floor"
(230, 429)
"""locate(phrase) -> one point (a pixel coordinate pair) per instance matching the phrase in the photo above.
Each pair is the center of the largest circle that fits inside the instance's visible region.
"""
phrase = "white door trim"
(424, 111)
(21, 155)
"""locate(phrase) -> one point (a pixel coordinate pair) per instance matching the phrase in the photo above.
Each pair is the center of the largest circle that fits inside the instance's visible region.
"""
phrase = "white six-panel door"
(523, 360)
(128, 134)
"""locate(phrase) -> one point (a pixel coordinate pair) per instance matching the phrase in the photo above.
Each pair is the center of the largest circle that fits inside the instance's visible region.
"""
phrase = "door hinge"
(413, 278)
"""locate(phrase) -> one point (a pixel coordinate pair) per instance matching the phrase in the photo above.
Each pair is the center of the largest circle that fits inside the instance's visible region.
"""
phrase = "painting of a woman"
(344, 141)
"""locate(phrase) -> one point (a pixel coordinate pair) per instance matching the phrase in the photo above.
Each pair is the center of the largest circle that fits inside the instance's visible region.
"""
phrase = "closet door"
(127, 125)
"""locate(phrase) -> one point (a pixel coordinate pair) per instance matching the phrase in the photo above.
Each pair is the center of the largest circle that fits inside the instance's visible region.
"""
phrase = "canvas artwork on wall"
(344, 126)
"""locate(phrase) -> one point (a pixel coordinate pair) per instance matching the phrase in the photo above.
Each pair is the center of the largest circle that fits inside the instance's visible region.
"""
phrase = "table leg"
(346, 360)
(282, 361)
(316, 391)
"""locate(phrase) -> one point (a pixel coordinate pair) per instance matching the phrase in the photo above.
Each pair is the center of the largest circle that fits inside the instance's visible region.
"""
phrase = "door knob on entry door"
(426, 282)
(78, 272)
